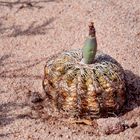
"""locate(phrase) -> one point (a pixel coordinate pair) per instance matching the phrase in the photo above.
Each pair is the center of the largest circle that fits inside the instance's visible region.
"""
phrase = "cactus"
(85, 90)
(90, 46)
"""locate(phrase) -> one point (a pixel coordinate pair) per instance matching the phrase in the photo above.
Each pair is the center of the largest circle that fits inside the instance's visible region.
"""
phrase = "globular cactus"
(80, 83)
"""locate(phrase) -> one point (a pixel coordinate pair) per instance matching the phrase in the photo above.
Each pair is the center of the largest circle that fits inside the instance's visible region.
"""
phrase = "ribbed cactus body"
(84, 90)
(85, 82)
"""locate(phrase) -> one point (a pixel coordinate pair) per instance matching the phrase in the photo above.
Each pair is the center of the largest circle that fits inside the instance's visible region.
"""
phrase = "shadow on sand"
(26, 4)
(18, 72)
(5, 109)
(132, 92)
(33, 29)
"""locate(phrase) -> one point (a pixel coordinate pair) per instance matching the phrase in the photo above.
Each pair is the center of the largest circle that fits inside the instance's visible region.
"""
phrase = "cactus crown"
(91, 30)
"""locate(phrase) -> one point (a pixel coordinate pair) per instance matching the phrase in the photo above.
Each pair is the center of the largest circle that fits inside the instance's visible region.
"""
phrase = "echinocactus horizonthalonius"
(85, 82)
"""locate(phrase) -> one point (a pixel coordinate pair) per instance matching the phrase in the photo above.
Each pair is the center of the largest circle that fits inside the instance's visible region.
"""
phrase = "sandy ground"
(32, 31)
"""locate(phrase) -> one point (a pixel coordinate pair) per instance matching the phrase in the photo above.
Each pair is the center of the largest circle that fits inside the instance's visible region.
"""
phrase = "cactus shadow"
(132, 92)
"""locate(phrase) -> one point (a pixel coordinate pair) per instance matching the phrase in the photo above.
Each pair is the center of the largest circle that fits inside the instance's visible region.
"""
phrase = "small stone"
(35, 97)
(133, 125)
(61, 135)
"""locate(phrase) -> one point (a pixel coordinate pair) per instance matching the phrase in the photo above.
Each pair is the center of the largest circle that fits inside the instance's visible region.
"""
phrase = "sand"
(31, 31)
